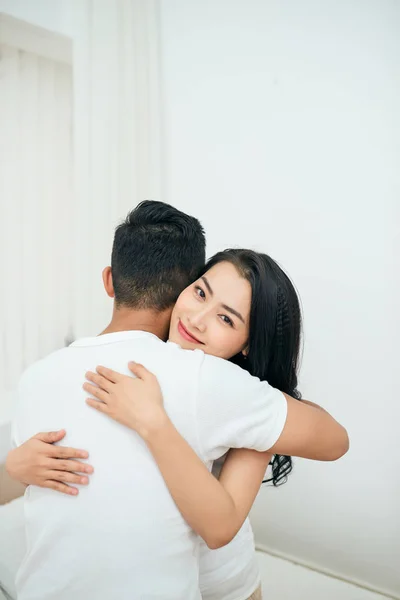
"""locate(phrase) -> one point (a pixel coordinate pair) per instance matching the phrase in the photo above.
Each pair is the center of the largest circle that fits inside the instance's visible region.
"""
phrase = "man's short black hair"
(157, 252)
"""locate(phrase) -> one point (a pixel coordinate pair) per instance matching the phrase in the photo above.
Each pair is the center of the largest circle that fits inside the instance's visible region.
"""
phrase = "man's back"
(123, 536)
(120, 527)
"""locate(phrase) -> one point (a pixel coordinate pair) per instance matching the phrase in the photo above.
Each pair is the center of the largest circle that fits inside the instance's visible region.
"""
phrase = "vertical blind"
(117, 136)
(36, 209)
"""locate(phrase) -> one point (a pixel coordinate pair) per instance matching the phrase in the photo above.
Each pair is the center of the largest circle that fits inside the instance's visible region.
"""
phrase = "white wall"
(282, 128)
(53, 15)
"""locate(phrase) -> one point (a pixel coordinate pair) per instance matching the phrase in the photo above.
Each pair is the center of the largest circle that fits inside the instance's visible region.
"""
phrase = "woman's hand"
(39, 462)
(136, 403)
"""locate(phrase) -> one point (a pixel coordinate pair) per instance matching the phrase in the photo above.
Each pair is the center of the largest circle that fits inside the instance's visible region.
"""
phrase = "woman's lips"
(186, 335)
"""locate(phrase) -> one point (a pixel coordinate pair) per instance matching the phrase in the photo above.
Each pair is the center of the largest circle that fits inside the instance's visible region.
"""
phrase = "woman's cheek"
(235, 346)
(222, 345)
(181, 305)
(187, 299)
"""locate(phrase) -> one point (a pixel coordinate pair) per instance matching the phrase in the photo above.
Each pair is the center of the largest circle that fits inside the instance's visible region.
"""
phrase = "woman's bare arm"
(215, 509)
(311, 432)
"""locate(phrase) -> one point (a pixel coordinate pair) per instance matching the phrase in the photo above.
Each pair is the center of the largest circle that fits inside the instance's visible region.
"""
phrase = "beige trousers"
(256, 595)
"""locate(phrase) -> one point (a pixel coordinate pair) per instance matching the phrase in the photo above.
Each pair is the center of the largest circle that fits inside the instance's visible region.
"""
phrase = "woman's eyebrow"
(233, 311)
(225, 306)
(208, 286)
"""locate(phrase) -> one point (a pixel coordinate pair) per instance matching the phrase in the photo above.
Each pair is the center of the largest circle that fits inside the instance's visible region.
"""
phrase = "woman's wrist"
(159, 424)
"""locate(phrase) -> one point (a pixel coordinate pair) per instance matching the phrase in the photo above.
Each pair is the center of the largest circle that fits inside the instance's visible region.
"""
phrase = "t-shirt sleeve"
(21, 423)
(236, 410)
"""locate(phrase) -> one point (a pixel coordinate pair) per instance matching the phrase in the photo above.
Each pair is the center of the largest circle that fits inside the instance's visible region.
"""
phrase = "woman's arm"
(39, 462)
(215, 509)
(311, 432)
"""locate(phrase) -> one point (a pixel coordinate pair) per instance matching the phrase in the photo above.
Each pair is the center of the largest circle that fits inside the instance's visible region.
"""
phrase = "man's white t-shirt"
(123, 536)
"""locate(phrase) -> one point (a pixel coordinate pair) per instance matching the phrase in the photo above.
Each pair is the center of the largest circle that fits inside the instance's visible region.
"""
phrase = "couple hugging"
(180, 405)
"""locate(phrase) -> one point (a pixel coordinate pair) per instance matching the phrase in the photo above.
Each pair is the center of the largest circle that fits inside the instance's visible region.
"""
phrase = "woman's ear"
(245, 351)
(108, 282)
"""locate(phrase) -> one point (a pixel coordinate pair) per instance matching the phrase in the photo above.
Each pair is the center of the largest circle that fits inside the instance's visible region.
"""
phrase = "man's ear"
(108, 282)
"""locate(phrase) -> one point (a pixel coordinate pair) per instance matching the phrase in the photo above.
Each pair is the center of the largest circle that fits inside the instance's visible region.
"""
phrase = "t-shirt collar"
(111, 338)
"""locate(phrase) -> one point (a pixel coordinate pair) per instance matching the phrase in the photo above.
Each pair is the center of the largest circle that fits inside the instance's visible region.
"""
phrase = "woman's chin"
(175, 338)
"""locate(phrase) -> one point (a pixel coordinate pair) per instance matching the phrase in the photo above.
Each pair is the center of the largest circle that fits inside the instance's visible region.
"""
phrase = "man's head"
(157, 252)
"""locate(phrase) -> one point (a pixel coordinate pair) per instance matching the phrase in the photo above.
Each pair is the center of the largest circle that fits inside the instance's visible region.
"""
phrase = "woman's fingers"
(65, 477)
(100, 406)
(96, 392)
(50, 436)
(109, 374)
(100, 381)
(139, 370)
(61, 487)
(64, 452)
(69, 465)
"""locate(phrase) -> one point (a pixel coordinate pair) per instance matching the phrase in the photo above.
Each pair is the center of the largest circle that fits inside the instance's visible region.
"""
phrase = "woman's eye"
(199, 292)
(227, 320)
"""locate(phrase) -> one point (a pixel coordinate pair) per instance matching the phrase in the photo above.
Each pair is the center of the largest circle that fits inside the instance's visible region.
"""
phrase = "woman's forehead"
(228, 285)
(224, 273)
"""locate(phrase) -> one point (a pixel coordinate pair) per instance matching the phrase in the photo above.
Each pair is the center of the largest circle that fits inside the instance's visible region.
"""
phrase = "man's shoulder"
(215, 369)
(41, 365)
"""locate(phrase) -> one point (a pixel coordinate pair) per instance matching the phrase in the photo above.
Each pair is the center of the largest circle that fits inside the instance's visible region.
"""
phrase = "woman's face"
(213, 313)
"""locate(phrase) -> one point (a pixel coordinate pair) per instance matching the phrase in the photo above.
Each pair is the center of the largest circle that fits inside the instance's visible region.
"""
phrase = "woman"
(249, 314)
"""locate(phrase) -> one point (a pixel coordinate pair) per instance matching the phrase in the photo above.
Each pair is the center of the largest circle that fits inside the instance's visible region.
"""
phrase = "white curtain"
(117, 135)
(55, 240)
(36, 209)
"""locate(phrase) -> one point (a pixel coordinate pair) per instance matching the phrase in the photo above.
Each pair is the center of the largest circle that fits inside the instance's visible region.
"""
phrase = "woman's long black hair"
(275, 330)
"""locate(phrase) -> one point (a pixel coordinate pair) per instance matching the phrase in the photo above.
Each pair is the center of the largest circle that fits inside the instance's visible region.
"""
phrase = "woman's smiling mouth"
(183, 332)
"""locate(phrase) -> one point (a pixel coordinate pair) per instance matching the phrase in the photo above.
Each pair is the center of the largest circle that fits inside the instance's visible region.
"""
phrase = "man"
(123, 537)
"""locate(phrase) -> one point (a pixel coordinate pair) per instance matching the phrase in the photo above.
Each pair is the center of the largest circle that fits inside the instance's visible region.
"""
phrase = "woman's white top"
(231, 572)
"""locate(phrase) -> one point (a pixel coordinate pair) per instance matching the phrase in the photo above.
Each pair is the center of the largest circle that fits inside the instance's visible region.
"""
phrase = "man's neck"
(128, 319)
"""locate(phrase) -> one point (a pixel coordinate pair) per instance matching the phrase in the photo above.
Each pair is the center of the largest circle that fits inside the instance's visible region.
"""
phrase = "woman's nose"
(197, 320)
